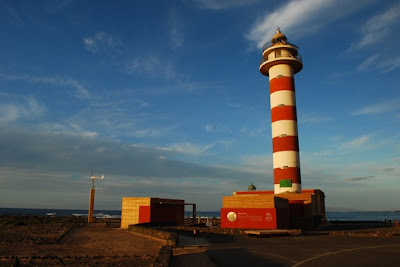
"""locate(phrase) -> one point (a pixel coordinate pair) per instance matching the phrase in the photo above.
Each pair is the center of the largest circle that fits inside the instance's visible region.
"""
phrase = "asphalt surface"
(318, 250)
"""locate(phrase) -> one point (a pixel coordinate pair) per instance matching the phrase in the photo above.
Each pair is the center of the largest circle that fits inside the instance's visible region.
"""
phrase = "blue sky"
(165, 98)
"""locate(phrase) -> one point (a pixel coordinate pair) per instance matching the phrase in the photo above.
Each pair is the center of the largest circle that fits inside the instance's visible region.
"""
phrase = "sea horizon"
(331, 209)
(100, 213)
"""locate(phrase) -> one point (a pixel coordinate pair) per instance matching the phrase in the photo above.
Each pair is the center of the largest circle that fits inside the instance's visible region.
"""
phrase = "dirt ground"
(43, 241)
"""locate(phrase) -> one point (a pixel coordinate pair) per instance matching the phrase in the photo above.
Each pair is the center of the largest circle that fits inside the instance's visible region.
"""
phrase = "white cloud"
(100, 149)
(209, 128)
(261, 131)
(389, 64)
(102, 41)
(312, 118)
(378, 28)
(57, 5)
(178, 81)
(299, 18)
(176, 36)
(80, 91)
(187, 148)
(23, 108)
(368, 62)
(234, 105)
(83, 133)
(149, 132)
(47, 151)
(378, 108)
(295, 16)
(10, 112)
(322, 153)
(14, 16)
(257, 163)
(150, 65)
(147, 65)
(141, 103)
(363, 142)
(221, 4)
(214, 128)
(354, 143)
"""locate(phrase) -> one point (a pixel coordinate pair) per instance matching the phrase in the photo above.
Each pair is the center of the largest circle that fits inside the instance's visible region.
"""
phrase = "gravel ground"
(58, 241)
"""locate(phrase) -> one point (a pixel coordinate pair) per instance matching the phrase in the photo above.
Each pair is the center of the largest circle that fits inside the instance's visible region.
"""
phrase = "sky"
(165, 99)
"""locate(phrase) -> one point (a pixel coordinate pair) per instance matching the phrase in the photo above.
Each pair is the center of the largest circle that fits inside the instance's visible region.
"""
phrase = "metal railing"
(269, 44)
(298, 57)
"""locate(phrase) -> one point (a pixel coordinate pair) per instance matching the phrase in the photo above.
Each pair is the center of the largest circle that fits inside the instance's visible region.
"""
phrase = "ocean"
(60, 212)
(331, 216)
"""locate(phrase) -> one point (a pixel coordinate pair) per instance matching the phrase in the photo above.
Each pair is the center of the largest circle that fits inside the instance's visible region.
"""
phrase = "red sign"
(254, 218)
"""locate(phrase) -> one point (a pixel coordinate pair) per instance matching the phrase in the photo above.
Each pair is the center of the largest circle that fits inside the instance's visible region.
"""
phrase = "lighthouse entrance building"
(266, 210)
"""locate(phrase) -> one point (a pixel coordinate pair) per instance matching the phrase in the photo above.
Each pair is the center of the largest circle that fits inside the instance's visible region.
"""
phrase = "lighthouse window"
(282, 135)
(284, 167)
(281, 105)
(278, 54)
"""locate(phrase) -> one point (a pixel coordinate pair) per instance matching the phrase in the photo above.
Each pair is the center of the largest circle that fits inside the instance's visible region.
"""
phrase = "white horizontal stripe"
(296, 188)
(285, 97)
(288, 127)
(280, 69)
(286, 158)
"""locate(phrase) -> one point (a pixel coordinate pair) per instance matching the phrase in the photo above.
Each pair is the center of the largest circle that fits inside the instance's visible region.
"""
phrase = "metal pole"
(91, 205)
(194, 213)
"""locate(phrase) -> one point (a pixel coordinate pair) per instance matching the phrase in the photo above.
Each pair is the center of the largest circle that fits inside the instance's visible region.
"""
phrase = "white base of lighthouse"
(295, 188)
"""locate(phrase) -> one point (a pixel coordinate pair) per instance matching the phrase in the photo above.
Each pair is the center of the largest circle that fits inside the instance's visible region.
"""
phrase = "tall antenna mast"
(91, 199)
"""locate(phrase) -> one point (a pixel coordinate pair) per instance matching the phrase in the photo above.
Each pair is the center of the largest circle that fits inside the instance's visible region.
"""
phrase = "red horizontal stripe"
(287, 143)
(281, 83)
(292, 173)
(283, 113)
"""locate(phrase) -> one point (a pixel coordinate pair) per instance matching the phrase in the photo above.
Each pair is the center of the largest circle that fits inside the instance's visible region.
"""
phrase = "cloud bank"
(78, 153)
(299, 18)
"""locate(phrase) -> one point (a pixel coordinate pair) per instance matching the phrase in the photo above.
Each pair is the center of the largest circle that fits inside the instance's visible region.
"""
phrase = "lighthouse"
(288, 205)
(280, 61)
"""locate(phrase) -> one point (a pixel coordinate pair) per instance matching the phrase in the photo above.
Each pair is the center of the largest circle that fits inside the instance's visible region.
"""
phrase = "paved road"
(287, 251)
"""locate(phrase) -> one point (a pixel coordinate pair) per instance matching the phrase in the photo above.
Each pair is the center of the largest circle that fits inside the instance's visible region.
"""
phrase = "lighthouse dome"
(252, 187)
(278, 38)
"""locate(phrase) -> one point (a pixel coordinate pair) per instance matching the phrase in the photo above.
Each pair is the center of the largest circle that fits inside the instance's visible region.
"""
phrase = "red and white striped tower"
(280, 62)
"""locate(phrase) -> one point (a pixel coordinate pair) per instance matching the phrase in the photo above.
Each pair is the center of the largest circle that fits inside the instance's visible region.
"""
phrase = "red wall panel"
(144, 214)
